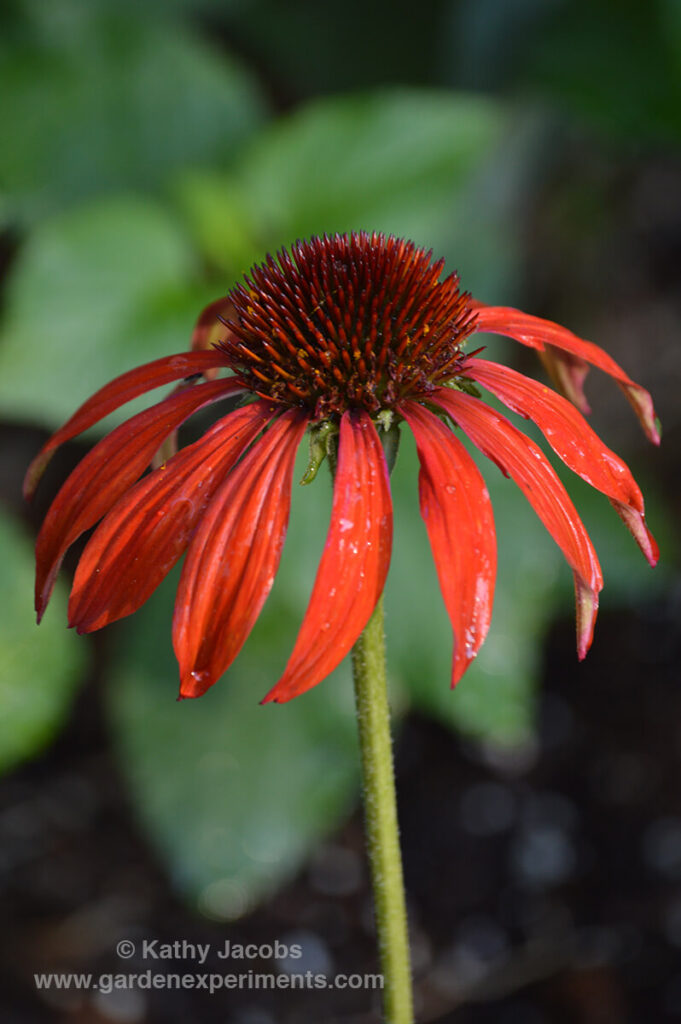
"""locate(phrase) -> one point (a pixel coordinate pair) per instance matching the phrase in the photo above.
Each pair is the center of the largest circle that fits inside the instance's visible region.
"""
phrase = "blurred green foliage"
(96, 98)
(233, 794)
(99, 288)
(145, 174)
(39, 667)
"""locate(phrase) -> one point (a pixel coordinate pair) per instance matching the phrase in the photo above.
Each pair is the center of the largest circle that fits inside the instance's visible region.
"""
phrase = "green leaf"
(235, 794)
(421, 164)
(97, 99)
(95, 291)
(223, 220)
(40, 667)
(394, 156)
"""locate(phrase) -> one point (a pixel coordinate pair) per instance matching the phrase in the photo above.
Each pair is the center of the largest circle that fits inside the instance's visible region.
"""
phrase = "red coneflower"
(354, 333)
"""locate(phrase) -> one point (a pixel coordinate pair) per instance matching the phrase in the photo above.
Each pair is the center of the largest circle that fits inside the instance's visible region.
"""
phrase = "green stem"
(380, 817)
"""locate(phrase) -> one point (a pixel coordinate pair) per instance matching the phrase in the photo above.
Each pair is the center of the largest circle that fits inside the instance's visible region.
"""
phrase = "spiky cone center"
(349, 321)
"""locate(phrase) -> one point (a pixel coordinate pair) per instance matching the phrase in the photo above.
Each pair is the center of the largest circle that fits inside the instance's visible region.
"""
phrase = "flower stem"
(380, 817)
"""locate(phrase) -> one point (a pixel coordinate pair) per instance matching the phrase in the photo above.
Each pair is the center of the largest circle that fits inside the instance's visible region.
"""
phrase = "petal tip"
(460, 666)
(42, 598)
(195, 683)
(34, 474)
(81, 625)
(457, 676)
(278, 694)
(634, 521)
(586, 600)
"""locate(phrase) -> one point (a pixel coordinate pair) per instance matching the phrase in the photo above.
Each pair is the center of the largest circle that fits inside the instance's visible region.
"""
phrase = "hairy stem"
(380, 817)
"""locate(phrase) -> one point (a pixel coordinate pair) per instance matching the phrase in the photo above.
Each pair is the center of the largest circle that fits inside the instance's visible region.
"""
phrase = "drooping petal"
(233, 557)
(586, 610)
(568, 373)
(537, 333)
(457, 512)
(572, 439)
(518, 457)
(106, 472)
(148, 529)
(636, 524)
(115, 394)
(210, 327)
(354, 563)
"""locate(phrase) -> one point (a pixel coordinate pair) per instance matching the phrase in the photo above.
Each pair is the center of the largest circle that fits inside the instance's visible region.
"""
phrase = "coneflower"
(349, 336)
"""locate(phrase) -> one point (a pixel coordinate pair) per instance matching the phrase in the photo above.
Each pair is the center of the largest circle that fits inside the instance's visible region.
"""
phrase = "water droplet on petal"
(471, 637)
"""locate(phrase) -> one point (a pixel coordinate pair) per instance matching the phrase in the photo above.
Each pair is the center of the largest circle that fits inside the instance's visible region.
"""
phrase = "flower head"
(352, 322)
(348, 337)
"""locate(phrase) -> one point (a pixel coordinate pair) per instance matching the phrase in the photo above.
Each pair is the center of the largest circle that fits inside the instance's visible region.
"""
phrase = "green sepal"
(322, 444)
(466, 385)
(390, 436)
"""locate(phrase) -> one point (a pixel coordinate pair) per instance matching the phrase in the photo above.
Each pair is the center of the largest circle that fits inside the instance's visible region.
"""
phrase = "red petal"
(457, 512)
(521, 459)
(119, 391)
(571, 437)
(536, 333)
(207, 332)
(233, 557)
(147, 530)
(106, 472)
(354, 563)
